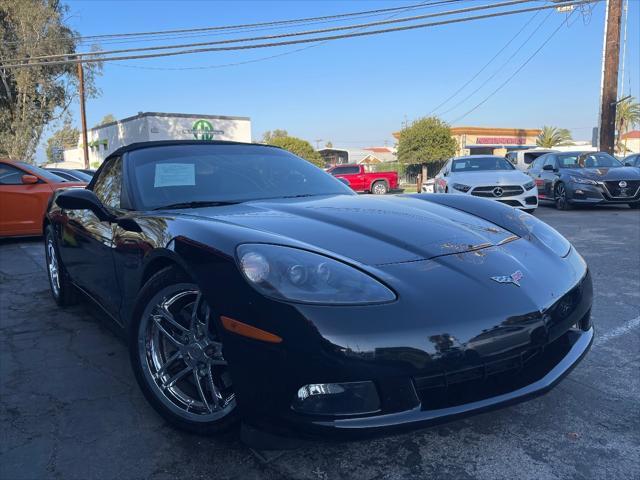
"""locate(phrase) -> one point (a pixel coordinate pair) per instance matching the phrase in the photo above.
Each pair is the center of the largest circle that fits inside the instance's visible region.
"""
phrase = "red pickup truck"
(361, 180)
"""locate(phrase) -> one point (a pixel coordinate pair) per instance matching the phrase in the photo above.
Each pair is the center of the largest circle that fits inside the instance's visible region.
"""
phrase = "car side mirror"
(548, 167)
(82, 199)
(29, 179)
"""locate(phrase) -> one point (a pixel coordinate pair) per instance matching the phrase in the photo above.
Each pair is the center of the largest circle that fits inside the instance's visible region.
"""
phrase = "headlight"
(461, 187)
(583, 181)
(287, 273)
(549, 236)
(529, 185)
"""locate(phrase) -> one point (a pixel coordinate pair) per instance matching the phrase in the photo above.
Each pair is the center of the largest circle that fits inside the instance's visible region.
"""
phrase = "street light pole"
(611, 60)
(83, 116)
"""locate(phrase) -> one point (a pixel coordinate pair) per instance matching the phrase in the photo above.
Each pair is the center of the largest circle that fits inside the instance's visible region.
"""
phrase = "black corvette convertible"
(253, 286)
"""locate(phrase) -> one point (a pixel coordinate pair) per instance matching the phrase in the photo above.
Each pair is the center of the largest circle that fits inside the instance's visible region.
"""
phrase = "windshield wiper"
(197, 204)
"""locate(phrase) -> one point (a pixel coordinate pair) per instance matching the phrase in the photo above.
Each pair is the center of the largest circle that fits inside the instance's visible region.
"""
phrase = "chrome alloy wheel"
(379, 188)
(52, 266)
(181, 356)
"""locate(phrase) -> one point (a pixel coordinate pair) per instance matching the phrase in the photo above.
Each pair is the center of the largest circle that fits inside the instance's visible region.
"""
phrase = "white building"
(152, 126)
(368, 155)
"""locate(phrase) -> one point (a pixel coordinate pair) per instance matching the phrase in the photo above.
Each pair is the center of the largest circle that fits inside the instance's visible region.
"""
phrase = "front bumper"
(430, 363)
(578, 193)
(576, 343)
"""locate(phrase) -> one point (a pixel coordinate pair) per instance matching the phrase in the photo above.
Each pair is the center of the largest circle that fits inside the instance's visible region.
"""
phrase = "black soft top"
(163, 143)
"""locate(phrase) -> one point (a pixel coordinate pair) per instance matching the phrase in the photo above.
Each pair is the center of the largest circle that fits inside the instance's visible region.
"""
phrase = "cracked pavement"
(70, 407)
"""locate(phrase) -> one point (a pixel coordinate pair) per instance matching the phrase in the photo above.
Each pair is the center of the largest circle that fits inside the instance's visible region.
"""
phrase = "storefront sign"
(203, 130)
(501, 141)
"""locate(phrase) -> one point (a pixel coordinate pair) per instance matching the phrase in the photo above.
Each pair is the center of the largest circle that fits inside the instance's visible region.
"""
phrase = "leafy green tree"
(426, 140)
(627, 116)
(108, 118)
(553, 137)
(31, 98)
(270, 135)
(66, 137)
(299, 147)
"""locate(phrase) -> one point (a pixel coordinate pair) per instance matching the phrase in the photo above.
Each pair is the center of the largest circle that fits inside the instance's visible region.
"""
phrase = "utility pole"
(609, 97)
(83, 116)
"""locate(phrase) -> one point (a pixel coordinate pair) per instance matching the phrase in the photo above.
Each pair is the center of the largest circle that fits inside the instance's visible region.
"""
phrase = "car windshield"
(587, 160)
(188, 174)
(42, 173)
(480, 164)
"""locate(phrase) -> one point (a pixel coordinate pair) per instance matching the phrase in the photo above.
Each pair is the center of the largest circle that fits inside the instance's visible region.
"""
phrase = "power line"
(295, 42)
(504, 64)
(526, 62)
(244, 62)
(477, 74)
(261, 24)
(422, 5)
(273, 37)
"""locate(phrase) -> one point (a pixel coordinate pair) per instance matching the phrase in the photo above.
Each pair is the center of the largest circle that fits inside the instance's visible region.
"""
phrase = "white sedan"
(488, 177)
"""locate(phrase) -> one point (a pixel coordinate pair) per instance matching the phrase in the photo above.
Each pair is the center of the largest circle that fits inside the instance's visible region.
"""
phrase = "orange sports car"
(24, 194)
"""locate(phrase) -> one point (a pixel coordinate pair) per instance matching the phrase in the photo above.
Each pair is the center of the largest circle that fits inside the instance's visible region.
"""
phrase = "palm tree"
(627, 116)
(553, 137)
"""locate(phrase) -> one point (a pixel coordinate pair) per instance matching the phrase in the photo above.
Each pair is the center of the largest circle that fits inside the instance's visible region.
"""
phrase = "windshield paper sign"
(175, 175)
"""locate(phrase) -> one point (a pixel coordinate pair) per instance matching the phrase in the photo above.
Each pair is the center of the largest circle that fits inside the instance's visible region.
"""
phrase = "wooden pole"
(83, 116)
(610, 77)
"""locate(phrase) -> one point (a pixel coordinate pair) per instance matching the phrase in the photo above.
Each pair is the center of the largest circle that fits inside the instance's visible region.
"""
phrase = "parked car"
(428, 186)
(361, 180)
(632, 160)
(24, 193)
(88, 171)
(488, 177)
(585, 178)
(71, 175)
(253, 286)
(522, 159)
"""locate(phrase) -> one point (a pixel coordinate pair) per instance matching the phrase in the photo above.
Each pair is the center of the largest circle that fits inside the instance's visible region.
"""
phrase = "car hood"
(602, 174)
(495, 177)
(372, 230)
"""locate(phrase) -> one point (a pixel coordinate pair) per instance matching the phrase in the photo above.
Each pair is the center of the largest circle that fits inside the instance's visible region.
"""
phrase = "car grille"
(493, 191)
(614, 190)
(491, 378)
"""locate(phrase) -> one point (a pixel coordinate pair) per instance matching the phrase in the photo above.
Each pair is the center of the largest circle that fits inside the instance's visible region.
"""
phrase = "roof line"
(165, 114)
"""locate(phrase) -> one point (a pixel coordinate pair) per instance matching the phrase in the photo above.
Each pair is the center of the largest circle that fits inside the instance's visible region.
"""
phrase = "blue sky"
(355, 92)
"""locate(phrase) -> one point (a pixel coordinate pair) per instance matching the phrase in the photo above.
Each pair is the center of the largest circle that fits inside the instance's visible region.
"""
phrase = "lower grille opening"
(490, 378)
(513, 203)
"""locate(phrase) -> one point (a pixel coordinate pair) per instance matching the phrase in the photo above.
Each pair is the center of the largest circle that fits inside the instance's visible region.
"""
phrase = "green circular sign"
(203, 130)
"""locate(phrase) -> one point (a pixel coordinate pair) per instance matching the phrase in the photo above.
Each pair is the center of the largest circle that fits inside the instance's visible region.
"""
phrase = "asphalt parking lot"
(70, 407)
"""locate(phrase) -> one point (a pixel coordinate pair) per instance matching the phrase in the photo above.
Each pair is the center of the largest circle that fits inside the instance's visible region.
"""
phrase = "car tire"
(560, 197)
(380, 188)
(171, 352)
(63, 291)
(634, 205)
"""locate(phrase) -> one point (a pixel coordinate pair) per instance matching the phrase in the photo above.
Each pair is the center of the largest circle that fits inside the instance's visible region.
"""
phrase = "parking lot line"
(618, 331)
